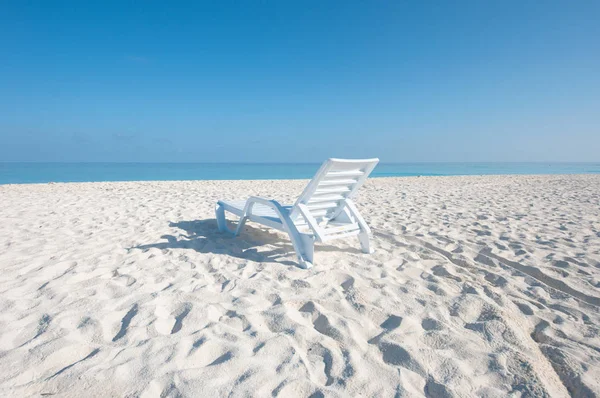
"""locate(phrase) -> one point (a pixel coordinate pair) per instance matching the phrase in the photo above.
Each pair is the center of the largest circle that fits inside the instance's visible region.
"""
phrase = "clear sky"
(299, 81)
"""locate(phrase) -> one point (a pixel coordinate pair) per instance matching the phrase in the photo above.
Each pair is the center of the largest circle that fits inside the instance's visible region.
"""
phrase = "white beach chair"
(323, 212)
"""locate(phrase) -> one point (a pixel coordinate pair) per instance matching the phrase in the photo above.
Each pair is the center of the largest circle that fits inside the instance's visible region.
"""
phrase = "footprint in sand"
(321, 322)
(66, 358)
(524, 308)
(171, 322)
(123, 279)
(393, 322)
(125, 321)
(439, 270)
(430, 324)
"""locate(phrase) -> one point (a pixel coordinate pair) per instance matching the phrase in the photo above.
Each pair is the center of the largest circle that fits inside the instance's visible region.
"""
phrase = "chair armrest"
(299, 241)
(265, 202)
(272, 203)
(359, 219)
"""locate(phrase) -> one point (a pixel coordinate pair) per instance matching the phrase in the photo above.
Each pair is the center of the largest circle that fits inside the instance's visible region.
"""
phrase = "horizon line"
(298, 163)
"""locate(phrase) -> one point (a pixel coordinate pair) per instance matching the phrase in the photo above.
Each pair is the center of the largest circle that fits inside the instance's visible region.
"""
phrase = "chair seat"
(266, 215)
(260, 212)
(237, 207)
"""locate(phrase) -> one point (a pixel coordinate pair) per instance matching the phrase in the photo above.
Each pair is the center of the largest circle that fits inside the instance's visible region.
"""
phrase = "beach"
(478, 286)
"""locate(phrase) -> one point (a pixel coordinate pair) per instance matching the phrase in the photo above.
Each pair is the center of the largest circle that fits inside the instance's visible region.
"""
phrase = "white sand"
(479, 286)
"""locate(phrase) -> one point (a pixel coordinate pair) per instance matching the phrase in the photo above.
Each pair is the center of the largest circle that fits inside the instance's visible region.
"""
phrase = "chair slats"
(323, 205)
(319, 213)
(336, 189)
(327, 182)
(348, 173)
(325, 198)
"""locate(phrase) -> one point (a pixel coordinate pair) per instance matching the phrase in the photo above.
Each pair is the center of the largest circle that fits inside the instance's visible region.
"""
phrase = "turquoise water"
(20, 173)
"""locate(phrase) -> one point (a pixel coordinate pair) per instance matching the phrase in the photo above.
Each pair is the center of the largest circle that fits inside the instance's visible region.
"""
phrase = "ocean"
(25, 173)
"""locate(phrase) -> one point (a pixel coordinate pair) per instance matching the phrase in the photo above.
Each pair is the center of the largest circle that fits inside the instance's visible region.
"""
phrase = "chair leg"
(308, 243)
(365, 245)
(240, 226)
(220, 216)
(304, 245)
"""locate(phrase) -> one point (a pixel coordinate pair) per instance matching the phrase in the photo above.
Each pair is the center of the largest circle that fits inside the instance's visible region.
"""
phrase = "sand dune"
(479, 286)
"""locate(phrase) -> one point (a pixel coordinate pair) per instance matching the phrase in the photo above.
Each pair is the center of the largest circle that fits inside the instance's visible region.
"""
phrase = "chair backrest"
(336, 181)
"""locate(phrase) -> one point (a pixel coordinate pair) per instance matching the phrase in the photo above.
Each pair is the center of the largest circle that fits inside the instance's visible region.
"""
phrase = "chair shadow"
(203, 236)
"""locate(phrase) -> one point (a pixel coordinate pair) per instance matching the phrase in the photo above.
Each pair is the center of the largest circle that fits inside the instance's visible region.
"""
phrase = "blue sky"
(262, 81)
